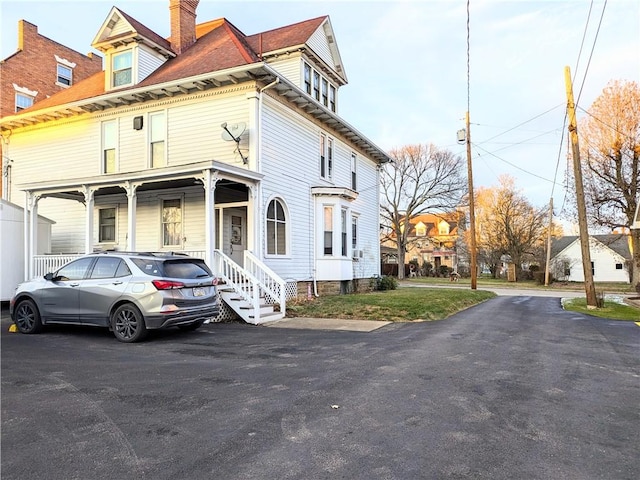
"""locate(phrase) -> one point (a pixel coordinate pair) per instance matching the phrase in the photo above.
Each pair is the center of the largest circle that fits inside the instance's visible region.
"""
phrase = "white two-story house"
(211, 143)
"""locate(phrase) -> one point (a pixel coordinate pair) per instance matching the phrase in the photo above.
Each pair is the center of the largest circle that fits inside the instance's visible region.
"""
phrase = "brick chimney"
(183, 24)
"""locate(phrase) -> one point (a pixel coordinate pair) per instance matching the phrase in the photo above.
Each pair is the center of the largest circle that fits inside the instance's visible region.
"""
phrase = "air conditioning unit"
(357, 254)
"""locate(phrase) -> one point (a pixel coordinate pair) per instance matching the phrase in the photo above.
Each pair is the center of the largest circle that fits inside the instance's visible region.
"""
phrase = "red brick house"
(39, 68)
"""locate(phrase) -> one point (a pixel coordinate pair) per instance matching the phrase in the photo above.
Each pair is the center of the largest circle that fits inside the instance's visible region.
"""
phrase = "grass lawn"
(488, 282)
(403, 305)
(611, 310)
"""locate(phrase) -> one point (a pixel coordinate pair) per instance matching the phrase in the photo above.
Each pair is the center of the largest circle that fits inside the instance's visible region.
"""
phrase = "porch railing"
(43, 264)
(236, 277)
(271, 283)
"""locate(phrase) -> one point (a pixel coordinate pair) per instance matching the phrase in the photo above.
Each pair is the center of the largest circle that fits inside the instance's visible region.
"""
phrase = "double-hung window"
(276, 228)
(323, 155)
(172, 222)
(109, 145)
(307, 78)
(316, 86)
(65, 75)
(328, 230)
(354, 176)
(23, 101)
(122, 69)
(329, 157)
(343, 231)
(325, 92)
(107, 225)
(354, 232)
(157, 134)
(332, 98)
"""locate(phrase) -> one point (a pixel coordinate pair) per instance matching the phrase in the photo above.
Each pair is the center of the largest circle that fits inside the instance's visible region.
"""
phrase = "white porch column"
(131, 215)
(254, 223)
(209, 180)
(30, 232)
(25, 234)
(88, 225)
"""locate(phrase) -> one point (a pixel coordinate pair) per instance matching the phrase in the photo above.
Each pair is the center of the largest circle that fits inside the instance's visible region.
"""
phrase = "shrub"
(384, 283)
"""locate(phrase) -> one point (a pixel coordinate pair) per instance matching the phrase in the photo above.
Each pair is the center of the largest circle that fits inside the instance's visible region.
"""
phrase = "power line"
(524, 123)
(604, 6)
(512, 164)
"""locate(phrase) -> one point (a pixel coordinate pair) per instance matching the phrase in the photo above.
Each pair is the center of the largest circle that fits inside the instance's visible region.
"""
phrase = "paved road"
(512, 388)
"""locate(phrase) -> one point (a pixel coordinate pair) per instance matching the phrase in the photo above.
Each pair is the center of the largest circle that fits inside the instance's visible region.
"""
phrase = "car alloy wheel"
(127, 324)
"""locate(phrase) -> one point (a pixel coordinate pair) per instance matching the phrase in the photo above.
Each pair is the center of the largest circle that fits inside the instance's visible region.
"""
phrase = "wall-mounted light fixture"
(137, 123)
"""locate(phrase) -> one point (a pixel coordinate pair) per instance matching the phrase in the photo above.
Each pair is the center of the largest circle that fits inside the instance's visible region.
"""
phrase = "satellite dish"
(231, 132)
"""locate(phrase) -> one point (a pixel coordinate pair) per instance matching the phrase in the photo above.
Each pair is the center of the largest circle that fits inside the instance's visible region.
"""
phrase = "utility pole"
(472, 213)
(546, 270)
(589, 287)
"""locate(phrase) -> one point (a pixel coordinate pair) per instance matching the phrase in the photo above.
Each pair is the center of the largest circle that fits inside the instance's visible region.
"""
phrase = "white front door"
(235, 233)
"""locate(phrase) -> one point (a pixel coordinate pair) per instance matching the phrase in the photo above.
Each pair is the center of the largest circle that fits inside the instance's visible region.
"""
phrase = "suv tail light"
(166, 284)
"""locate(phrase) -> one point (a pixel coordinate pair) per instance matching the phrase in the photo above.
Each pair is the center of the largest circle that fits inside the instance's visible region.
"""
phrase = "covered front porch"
(208, 210)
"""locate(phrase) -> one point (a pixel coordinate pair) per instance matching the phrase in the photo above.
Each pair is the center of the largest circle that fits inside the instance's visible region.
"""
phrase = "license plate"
(199, 292)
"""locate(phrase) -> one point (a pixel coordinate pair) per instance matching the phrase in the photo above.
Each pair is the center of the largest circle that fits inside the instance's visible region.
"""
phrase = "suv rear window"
(180, 268)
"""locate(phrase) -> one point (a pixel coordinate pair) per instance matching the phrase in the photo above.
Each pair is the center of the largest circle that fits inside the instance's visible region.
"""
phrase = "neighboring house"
(433, 239)
(38, 69)
(213, 143)
(610, 258)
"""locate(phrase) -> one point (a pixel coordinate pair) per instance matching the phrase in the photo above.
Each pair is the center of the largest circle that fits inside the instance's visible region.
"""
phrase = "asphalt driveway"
(512, 388)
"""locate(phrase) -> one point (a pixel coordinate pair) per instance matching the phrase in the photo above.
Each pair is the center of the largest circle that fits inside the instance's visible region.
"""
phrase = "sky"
(412, 77)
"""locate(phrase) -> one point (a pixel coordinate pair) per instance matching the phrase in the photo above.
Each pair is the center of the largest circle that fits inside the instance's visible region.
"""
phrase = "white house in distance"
(610, 258)
(212, 143)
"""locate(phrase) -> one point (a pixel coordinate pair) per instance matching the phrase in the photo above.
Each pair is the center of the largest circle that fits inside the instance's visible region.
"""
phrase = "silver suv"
(130, 293)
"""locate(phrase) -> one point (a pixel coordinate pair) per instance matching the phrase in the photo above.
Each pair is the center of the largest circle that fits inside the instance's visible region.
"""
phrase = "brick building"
(39, 68)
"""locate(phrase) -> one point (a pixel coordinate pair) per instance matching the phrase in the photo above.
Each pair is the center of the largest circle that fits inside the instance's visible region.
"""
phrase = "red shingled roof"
(288, 36)
(219, 46)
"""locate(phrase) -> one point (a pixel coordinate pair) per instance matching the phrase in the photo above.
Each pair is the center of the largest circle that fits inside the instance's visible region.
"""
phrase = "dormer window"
(122, 68)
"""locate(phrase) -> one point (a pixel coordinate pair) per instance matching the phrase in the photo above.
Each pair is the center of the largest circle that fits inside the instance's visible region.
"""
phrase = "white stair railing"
(236, 277)
(270, 282)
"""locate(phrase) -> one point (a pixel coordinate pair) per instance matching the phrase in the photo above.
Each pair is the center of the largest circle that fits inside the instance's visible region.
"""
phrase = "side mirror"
(48, 276)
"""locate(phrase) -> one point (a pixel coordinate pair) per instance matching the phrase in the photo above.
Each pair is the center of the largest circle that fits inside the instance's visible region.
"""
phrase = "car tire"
(28, 317)
(127, 324)
(191, 326)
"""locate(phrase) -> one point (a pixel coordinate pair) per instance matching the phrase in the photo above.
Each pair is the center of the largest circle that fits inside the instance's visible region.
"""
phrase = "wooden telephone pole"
(589, 287)
(472, 213)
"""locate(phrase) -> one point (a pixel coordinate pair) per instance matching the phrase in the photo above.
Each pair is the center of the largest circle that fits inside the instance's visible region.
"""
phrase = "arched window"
(276, 228)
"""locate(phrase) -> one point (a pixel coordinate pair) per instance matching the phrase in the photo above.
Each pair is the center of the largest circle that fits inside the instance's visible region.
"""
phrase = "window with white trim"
(109, 146)
(316, 85)
(172, 222)
(107, 225)
(23, 101)
(332, 98)
(323, 155)
(354, 176)
(354, 232)
(343, 225)
(329, 158)
(325, 92)
(276, 228)
(328, 230)
(307, 78)
(122, 69)
(65, 75)
(157, 135)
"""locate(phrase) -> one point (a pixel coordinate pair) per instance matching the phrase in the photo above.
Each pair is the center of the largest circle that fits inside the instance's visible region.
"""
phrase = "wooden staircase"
(254, 292)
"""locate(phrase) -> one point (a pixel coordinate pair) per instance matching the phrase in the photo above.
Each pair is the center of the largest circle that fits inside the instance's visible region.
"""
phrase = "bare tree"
(421, 179)
(508, 224)
(610, 154)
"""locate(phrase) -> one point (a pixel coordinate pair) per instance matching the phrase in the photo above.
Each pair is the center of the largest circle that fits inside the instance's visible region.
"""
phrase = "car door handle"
(74, 284)
(118, 282)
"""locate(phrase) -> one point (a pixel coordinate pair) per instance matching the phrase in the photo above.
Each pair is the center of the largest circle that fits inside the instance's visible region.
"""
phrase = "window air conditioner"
(357, 254)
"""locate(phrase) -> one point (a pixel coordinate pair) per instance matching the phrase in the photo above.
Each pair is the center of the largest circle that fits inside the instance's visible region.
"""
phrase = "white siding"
(604, 263)
(319, 44)
(290, 68)
(290, 157)
(148, 62)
